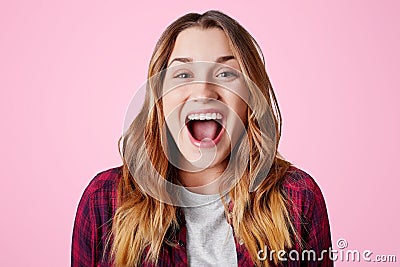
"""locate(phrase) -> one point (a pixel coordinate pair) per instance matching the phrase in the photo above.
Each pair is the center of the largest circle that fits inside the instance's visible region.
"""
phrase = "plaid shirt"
(98, 204)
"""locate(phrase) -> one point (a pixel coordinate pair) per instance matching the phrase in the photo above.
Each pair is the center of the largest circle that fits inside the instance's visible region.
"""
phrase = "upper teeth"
(205, 116)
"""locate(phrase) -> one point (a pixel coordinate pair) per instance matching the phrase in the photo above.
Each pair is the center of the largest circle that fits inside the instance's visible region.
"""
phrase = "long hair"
(259, 217)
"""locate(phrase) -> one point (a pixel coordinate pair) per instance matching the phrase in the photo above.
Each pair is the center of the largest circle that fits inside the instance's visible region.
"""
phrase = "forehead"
(201, 44)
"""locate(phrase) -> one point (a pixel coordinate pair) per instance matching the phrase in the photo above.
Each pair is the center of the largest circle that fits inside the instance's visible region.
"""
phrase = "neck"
(203, 182)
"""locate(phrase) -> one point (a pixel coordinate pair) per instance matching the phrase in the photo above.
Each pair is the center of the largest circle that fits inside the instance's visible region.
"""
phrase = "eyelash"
(180, 75)
(227, 75)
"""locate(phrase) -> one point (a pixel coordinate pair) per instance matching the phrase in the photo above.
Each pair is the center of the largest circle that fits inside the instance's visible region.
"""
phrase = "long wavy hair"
(142, 224)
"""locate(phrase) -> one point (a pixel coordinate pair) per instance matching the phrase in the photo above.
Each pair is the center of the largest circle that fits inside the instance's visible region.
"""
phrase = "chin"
(201, 158)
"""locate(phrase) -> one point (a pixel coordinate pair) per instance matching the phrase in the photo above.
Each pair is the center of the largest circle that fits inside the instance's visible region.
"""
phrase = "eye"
(226, 74)
(183, 75)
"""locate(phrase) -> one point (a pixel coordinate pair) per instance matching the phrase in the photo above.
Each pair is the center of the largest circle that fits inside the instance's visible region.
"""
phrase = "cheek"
(237, 99)
(172, 101)
(172, 105)
(166, 103)
(169, 105)
(239, 106)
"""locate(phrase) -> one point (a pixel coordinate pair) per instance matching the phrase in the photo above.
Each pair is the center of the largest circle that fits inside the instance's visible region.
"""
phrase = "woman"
(202, 183)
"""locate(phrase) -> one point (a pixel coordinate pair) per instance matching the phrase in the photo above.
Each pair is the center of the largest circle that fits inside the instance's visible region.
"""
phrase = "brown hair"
(260, 217)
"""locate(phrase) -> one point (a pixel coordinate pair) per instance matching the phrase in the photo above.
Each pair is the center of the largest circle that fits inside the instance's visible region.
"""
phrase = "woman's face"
(204, 97)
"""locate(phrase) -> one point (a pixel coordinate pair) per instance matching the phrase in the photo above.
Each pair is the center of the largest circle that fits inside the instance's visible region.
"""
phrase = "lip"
(206, 143)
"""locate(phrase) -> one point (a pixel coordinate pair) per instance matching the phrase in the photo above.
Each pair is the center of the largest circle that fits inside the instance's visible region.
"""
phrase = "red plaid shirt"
(98, 204)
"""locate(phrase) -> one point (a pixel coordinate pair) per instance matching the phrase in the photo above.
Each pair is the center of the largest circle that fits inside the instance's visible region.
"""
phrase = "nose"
(203, 92)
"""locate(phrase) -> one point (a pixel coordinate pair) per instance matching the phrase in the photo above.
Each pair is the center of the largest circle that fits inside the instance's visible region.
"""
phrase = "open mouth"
(205, 128)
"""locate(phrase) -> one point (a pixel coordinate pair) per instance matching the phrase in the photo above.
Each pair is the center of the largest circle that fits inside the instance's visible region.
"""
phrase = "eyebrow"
(188, 59)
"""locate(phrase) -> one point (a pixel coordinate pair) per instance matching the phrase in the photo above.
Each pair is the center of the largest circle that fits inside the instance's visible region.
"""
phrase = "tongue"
(204, 129)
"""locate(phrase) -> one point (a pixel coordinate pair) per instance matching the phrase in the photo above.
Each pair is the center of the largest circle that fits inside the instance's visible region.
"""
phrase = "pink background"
(69, 69)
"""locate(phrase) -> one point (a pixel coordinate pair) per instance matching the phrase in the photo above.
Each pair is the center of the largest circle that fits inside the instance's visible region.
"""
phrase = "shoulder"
(101, 193)
(104, 182)
(308, 212)
(303, 192)
(93, 217)
(296, 180)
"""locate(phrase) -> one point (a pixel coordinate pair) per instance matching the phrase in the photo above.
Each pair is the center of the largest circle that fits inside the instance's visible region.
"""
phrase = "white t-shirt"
(210, 240)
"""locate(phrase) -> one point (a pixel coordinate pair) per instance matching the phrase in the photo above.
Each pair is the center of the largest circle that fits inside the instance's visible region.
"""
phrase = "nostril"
(203, 99)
